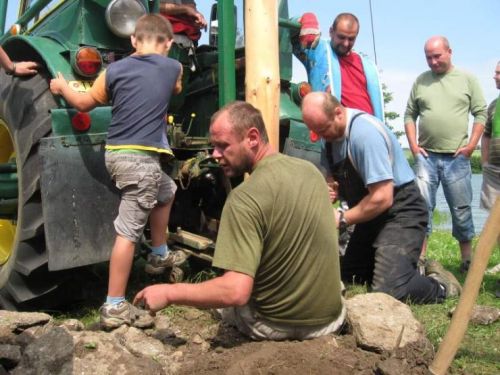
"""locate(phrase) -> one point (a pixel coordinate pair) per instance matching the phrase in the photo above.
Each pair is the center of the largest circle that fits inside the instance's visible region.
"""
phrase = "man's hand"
(465, 151)
(58, 84)
(153, 298)
(25, 68)
(333, 191)
(418, 150)
(199, 20)
(309, 32)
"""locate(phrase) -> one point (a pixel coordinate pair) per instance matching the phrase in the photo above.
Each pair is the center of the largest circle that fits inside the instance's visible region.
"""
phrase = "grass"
(479, 352)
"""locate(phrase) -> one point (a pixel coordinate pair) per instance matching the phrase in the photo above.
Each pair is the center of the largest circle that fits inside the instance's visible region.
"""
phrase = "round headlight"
(121, 16)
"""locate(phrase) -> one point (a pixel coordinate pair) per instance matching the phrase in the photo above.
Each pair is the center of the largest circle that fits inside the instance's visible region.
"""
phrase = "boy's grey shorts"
(143, 185)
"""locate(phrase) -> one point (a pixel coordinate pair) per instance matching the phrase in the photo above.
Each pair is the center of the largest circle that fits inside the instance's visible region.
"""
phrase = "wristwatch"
(342, 221)
(12, 71)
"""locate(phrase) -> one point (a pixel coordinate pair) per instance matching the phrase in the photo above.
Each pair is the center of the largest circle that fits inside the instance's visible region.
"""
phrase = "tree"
(390, 116)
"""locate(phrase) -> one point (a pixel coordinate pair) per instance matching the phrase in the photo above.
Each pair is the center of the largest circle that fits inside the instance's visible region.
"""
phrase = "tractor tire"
(25, 281)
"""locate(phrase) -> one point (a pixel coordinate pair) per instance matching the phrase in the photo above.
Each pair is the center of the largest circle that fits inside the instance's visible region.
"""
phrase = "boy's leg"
(161, 257)
(120, 265)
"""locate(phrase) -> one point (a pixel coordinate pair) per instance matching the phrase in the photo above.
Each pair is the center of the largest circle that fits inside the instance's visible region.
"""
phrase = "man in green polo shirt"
(442, 99)
(275, 243)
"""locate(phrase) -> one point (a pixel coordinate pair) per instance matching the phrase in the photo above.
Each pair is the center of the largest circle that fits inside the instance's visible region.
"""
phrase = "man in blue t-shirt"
(365, 159)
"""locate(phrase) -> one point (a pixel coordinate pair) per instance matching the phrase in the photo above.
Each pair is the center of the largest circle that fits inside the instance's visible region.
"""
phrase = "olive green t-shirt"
(278, 227)
(443, 103)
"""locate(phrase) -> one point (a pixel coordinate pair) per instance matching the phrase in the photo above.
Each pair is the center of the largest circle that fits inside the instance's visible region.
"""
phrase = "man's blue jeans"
(454, 173)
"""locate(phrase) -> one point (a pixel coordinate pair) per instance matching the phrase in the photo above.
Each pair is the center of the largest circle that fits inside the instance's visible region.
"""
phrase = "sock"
(161, 250)
(114, 300)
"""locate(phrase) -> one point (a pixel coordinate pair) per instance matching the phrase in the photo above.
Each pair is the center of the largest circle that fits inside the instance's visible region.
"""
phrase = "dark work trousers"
(384, 251)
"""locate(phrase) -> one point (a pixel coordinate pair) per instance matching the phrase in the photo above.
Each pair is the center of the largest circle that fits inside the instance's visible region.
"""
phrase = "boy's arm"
(178, 84)
(82, 101)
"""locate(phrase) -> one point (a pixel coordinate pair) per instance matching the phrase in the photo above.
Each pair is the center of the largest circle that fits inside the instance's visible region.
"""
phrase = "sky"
(401, 28)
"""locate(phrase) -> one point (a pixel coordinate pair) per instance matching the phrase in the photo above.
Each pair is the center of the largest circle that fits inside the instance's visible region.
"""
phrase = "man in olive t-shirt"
(276, 241)
(442, 99)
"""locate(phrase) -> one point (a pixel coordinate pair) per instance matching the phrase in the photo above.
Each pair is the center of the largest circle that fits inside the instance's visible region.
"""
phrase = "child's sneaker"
(157, 264)
(113, 316)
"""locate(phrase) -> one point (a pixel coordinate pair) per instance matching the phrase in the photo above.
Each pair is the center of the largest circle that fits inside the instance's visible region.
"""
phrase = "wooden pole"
(462, 314)
(262, 82)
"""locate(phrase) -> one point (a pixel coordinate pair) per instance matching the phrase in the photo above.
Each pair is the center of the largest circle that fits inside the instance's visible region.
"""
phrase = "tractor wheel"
(25, 281)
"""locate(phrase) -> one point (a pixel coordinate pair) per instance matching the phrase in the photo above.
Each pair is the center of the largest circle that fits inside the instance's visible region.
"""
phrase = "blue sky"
(401, 29)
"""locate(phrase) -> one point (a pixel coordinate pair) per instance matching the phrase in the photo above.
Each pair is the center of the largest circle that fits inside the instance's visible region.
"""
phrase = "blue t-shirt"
(140, 87)
(370, 152)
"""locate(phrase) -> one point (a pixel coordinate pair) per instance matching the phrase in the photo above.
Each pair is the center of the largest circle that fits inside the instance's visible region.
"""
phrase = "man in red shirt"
(334, 67)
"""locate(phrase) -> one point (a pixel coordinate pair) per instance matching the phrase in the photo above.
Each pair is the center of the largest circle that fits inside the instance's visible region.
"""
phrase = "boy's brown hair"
(153, 27)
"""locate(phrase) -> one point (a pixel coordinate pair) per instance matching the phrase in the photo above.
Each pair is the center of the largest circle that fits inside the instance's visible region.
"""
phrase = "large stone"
(104, 353)
(19, 321)
(382, 323)
(51, 353)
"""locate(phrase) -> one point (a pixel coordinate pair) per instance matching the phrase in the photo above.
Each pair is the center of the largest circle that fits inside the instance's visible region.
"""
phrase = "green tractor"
(57, 202)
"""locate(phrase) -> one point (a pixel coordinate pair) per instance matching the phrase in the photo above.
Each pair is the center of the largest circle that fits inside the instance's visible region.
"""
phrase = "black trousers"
(384, 251)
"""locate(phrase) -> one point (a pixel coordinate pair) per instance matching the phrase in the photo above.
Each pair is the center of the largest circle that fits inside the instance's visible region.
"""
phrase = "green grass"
(479, 352)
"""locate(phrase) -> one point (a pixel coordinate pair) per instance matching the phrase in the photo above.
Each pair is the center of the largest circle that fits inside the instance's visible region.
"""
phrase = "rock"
(73, 325)
(382, 323)
(51, 353)
(19, 321)
(141, 345)
(192, 314)
(103, 353)
(197, 339)
(482, 315)
(10, 355)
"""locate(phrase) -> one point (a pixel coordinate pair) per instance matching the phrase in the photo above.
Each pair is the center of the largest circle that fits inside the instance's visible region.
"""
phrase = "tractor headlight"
(121, 16)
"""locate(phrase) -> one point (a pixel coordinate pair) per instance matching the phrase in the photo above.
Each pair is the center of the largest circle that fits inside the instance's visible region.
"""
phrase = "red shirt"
(354, 92)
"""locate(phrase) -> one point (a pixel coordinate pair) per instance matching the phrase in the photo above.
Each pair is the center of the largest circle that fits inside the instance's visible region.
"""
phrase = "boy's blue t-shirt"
(370, 152)
(140, 88)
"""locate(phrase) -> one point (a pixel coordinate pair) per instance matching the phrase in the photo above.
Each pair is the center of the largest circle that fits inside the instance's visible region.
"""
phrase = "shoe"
(436, 271)
(421, 264)
(157, 264)
(464, 267)
(113, 316)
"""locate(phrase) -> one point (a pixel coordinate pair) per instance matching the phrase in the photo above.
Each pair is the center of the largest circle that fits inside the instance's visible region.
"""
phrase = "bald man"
(333, 66)
(374, 177)
(442, 99)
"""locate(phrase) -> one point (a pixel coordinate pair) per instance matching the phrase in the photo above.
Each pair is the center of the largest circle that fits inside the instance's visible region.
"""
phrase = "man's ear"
(253, 137)
(133, 40)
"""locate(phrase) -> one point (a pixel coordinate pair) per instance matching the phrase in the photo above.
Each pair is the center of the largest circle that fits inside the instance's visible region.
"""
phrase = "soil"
(210, 347)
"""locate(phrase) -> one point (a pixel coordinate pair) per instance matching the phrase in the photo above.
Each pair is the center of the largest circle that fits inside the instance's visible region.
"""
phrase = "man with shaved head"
(442, 99)
(374, 177)
(333, 66)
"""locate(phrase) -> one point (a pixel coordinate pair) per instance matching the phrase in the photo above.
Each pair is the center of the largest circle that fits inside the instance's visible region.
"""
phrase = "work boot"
(436, 271)
(113, 316)
(156, 264)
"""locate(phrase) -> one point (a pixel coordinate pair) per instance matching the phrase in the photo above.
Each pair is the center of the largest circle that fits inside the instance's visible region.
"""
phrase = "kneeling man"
(364, 157)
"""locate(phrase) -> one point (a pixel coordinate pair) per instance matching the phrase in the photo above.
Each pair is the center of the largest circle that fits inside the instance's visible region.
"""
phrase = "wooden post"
(458, 326)
(262, 82)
